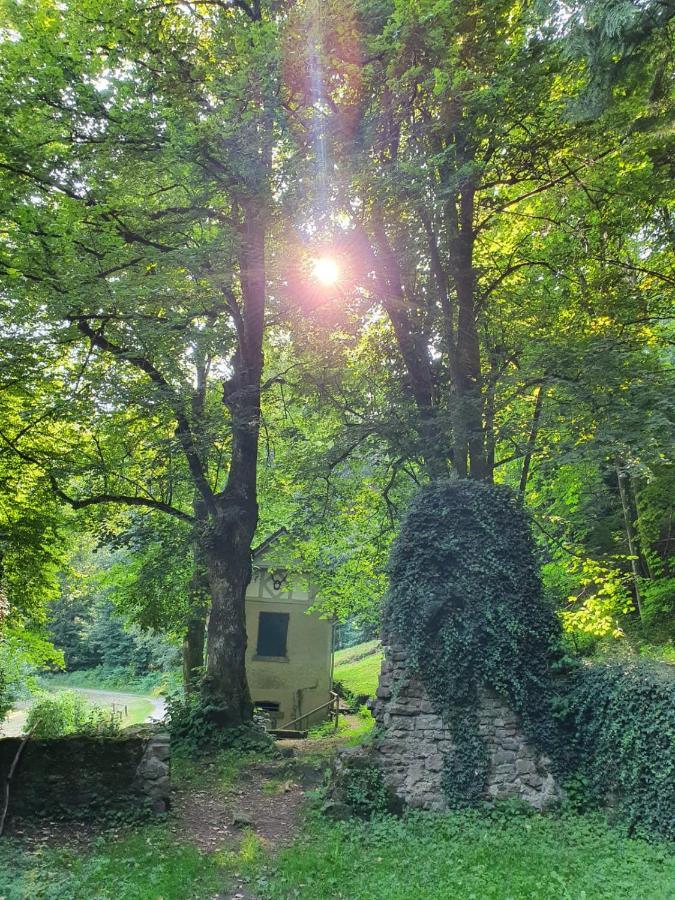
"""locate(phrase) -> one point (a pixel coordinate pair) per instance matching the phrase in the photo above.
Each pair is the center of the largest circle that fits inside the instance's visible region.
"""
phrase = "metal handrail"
(334, 701)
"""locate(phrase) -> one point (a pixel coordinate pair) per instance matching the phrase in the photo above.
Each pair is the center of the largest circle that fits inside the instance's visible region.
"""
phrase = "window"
(272, 709)
(272, 633)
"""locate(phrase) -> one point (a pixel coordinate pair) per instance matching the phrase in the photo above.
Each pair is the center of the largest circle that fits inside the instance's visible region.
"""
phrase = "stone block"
(533, 780)
(151, 767)
(499, 757)
(159, 751)
(431, 722)
(402, 709)
(157, 790)
(435, 763)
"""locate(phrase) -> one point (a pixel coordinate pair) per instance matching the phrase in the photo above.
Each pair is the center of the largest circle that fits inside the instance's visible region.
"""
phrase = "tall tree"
(137, 179)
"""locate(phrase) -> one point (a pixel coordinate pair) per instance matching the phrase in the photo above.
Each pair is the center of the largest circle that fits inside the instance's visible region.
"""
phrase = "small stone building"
(289, 654)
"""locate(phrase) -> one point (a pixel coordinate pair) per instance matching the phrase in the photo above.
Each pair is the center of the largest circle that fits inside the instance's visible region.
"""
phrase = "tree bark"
(225, 687)
(469, 434)
(228, 542)
(414, 350)
(631, 534)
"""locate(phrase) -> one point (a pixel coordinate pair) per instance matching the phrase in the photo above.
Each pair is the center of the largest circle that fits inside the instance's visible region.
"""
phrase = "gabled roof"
(267, 543)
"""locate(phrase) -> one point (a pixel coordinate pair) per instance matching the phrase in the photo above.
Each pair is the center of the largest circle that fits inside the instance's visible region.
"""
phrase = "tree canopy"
(490, 184)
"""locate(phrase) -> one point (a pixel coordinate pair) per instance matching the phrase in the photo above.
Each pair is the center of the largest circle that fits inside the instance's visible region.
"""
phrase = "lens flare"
(325, 270)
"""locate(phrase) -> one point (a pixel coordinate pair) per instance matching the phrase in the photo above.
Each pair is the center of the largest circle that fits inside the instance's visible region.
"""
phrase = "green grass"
(138, 711)
(221, 770)
(351, 730)
(461, 856)
(145, 865)
(358, 668)
(458, 856)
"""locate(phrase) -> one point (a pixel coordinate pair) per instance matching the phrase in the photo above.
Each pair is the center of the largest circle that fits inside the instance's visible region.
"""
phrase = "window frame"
(272, 657)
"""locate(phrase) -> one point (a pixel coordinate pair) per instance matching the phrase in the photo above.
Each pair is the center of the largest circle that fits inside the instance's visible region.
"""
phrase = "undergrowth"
(144, 865)
(466, 855)
(121, 679)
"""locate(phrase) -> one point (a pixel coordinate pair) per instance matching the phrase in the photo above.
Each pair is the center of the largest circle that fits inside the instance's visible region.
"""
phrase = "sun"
(325, 270)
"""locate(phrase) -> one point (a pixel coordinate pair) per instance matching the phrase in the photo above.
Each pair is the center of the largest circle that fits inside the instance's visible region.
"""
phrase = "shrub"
(193, 729)
(365, 792)
(620, 726)
(66, 712)
(465, 600)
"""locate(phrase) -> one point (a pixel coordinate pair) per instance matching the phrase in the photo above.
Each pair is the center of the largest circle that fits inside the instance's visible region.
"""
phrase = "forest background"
(275, 265)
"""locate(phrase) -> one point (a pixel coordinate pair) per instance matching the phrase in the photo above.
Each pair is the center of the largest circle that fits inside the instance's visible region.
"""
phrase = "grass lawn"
(358, 668)
(101, 678)
(137, 712)
(144, 865)
(467, 856)
(459, 856)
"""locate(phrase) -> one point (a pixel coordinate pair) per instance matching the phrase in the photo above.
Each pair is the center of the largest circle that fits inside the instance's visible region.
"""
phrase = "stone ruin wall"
(412, 743)
(69, 776)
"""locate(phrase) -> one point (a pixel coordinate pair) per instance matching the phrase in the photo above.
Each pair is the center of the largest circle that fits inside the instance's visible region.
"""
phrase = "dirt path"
(267, 800)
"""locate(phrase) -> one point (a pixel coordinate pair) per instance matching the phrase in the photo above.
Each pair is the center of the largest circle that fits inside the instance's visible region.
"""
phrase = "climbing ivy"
(620, 729)
(465, 600)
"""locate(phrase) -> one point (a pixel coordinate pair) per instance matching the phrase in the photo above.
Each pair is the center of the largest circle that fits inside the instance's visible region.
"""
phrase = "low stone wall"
(63, 777)
(413, 743)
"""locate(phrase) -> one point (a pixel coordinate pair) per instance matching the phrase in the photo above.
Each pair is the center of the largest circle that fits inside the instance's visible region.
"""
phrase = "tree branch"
(82, 503)
(183, 429)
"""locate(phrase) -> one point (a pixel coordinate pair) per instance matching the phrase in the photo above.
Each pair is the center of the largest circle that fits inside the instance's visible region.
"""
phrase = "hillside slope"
(358, 667)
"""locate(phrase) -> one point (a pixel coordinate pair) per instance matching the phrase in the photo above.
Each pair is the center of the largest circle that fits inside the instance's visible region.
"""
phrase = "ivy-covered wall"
(416, 752)
(466, 605)
(618, 725)
(473, 702)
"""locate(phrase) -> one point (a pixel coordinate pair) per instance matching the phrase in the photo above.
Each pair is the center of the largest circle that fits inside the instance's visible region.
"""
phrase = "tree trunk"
(413, 347)
(193, 648)
(228, 542)
(531, 442)
(631, 534)
(469, 434)
(225, 688)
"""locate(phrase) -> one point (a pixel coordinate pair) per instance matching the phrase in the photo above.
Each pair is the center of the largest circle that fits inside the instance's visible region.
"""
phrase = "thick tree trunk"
(469, 434)
(228, 542)
(225, 688)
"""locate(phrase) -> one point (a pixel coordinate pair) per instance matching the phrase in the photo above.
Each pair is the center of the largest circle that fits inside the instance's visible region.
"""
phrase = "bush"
(66, 712)
(620, 727)
(193, 729)
(364, 790)
(465, 600)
